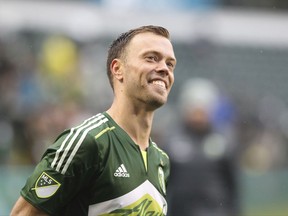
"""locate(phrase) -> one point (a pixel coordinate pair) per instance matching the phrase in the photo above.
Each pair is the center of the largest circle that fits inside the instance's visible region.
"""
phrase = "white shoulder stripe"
(67, 138)
(78, 129)
(80, 142)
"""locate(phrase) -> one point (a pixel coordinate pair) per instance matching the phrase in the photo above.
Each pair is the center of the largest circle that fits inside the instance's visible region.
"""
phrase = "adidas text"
(121, 175)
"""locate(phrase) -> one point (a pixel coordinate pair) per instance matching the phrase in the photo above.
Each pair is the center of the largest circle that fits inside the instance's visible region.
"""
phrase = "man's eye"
(171, 65)
(153, 58)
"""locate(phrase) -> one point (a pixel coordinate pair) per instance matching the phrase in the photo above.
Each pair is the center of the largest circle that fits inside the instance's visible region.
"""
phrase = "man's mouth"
(159, 83)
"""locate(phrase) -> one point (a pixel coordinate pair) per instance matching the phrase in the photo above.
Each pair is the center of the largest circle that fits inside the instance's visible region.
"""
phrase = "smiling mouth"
(159, 83)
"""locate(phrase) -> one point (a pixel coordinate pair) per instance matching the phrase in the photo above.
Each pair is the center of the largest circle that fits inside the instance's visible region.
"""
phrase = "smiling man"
(109, 165)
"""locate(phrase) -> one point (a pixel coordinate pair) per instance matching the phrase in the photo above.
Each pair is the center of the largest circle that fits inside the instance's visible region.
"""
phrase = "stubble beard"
(151, 98)
(155, 102)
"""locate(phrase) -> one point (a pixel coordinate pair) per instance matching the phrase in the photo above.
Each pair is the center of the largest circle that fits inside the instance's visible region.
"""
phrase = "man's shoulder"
(159, 150)
(91, 126)
(85, 133)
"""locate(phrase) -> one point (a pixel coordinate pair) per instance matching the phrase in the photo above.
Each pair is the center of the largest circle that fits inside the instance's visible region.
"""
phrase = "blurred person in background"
(59, 60)
(109, 164)
(37, 98)
(8, 94)
(203, 172)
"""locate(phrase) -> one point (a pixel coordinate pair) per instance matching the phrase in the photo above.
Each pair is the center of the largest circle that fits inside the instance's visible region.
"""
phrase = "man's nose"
(163, 68)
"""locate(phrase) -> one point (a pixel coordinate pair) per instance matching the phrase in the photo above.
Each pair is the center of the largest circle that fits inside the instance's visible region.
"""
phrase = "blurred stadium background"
(52, 75)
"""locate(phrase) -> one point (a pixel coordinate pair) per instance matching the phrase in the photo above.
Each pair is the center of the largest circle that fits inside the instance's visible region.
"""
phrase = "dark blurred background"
(52, 76)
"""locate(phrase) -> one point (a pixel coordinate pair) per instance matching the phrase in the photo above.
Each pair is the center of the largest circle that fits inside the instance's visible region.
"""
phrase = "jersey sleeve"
(63, 172)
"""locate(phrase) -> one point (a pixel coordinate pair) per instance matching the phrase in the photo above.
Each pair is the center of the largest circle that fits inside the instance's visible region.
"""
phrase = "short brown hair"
(118, 46)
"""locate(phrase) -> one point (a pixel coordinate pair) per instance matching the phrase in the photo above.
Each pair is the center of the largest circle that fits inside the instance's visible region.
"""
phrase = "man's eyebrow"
(159, 54)
(173, 59)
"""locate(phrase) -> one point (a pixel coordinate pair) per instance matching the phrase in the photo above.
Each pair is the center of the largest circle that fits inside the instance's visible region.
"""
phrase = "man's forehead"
(150, 41)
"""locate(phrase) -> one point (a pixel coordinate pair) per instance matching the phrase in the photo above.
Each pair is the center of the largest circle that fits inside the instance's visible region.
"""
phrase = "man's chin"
(155, 104)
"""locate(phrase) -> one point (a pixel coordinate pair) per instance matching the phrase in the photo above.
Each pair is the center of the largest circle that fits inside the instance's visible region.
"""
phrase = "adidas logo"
(121, 172)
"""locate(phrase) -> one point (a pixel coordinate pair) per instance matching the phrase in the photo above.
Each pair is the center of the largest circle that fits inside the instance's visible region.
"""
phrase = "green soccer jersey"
(96, 169)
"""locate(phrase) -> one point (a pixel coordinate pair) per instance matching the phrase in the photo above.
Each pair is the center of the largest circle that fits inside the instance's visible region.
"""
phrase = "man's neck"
(136, 122)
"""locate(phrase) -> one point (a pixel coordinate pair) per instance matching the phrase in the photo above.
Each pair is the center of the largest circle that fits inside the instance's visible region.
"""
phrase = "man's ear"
(116, 69)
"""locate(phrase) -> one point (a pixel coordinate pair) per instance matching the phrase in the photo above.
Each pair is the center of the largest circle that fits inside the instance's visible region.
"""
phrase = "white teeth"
(159, 83)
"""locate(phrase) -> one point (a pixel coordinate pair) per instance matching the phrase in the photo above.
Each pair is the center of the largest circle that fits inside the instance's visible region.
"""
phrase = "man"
(109, 164)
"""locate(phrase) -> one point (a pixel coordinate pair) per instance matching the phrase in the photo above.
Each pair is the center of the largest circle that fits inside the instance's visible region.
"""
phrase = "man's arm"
(22, 208)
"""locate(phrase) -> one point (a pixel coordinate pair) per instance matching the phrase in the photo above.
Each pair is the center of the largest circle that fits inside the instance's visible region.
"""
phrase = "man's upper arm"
(22, 207)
